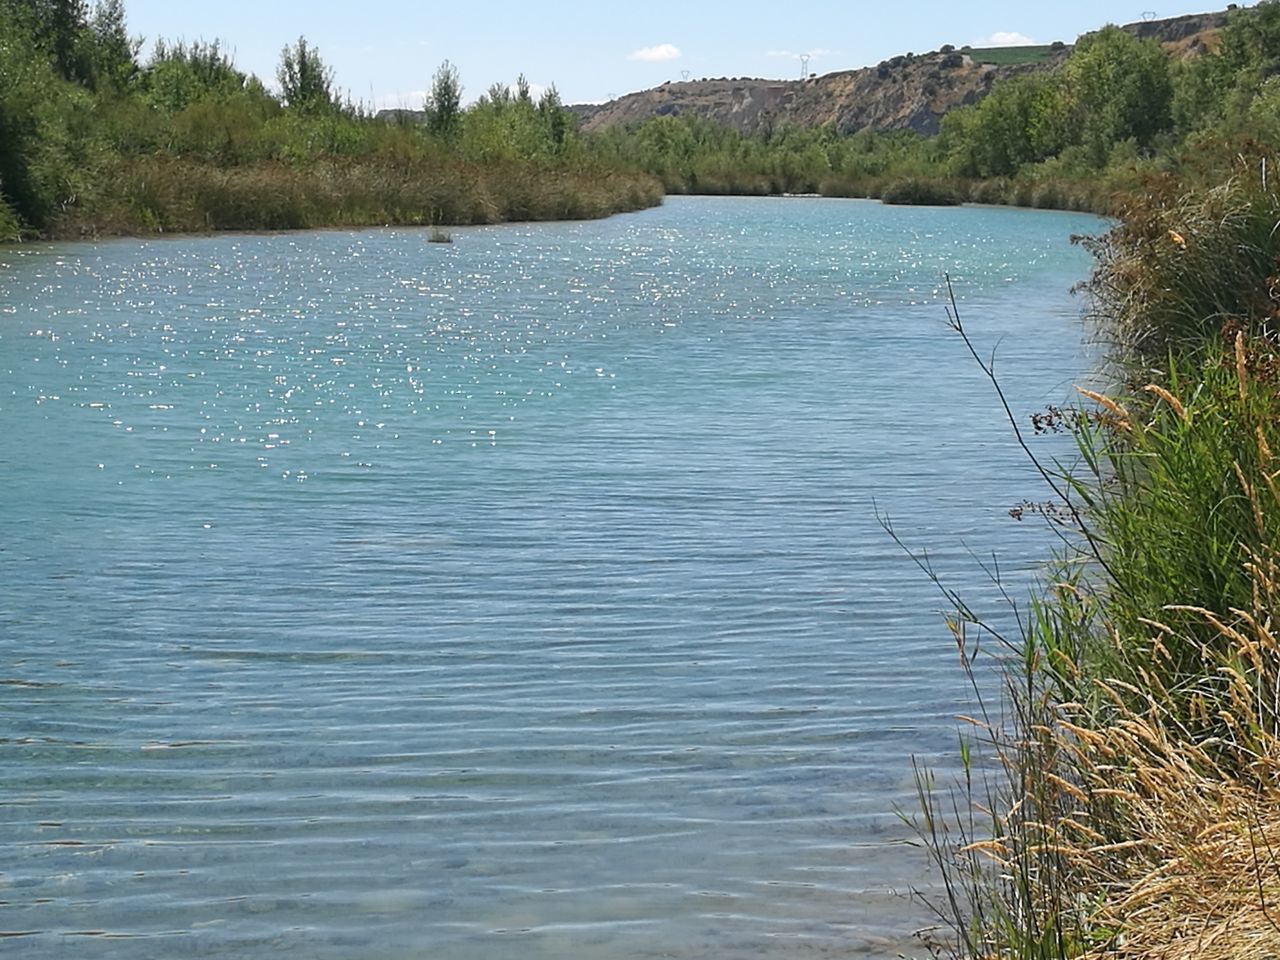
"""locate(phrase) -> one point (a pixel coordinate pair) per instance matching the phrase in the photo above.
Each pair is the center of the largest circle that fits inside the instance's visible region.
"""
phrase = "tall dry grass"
(168, 194)
(1123, 800)
(1124, 830)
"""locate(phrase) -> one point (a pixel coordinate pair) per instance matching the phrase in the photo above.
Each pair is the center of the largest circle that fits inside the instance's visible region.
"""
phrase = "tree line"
(94, 138)
(1116, 112)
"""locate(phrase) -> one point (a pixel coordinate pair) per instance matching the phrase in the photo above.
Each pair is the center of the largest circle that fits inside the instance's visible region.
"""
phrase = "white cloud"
(412, 100)
(658, 54)
(1005, 38)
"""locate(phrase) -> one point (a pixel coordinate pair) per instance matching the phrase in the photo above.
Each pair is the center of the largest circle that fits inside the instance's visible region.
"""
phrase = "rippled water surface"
(522, 597)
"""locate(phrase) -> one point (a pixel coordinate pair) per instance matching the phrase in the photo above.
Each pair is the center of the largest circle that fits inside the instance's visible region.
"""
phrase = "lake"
(524, 596)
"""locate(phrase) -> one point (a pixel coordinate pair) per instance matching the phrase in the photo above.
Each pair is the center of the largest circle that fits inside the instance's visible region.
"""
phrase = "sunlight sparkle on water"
(526, 598)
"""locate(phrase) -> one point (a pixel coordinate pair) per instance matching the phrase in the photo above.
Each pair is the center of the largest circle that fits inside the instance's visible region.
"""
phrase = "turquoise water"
(361, 597)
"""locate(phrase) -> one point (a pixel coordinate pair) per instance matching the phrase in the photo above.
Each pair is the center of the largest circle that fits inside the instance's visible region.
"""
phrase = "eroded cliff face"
(904, 93)
(1176, 31)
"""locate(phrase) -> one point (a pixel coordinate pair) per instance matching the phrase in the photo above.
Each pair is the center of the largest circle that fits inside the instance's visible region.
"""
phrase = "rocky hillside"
(1179, 32)
(903, 93)
(910, 92)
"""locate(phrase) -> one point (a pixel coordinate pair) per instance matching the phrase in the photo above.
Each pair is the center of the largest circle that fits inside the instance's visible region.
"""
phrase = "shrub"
(1185, 264)
(917, 192)
(9, 227)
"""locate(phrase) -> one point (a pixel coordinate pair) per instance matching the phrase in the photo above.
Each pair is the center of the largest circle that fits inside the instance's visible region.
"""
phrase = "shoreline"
(73, 236)
(324, 228)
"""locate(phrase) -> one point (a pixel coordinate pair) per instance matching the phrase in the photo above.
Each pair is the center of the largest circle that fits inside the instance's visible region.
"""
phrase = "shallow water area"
(522, 596)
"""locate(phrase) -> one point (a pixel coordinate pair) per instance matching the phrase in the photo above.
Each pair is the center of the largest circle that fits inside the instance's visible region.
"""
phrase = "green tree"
(305, 82)
(114, 53)
(1023, 120)
(1200, 88)
(1251, 40)
(45, 121)
(59, 28)
(444, 102)
(499, 94)
(555, 118)
(181, 74)
(1121, 88)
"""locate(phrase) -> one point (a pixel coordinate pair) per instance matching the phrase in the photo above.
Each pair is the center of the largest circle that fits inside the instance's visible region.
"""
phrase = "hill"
(911, 92)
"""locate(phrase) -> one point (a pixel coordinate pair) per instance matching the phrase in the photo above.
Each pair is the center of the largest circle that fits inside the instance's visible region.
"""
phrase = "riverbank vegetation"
(1111, 117)
(97, 138)
(1125, 800)
(93, 139)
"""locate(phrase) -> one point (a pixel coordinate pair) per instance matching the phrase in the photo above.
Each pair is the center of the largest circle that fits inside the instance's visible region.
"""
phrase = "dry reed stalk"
(1174, 403)
(1149, 829)
(1171, 837)
(1116, 409)
(1242, 376)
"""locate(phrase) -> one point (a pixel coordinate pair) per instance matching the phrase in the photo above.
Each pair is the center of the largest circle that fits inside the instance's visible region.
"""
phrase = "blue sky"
(387, 50)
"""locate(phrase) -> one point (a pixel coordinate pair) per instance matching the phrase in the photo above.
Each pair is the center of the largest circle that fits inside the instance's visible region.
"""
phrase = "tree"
(114, 53)
(499, 94)
(1023, 120)
(555, 119)
(444, 102)
(1121, 88)
(60, 29)
(43, 118)
(1200, 89)
(1251, 39)
(180, 74)
(305, 82)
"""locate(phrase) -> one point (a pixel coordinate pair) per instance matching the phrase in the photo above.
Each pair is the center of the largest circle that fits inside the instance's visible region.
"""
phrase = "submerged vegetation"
(94, 140)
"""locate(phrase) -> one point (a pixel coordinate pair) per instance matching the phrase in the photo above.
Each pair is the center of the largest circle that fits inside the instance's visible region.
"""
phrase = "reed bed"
(1123, 801)
(168, 194)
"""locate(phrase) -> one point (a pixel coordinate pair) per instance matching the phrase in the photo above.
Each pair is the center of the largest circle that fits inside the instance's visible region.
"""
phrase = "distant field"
(1009, 56)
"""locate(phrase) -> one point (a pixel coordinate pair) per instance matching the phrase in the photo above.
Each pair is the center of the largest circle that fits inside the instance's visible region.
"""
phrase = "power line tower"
(804, 66)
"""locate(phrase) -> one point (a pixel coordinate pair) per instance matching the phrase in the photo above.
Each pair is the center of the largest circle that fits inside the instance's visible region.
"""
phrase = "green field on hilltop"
(1010, 56)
